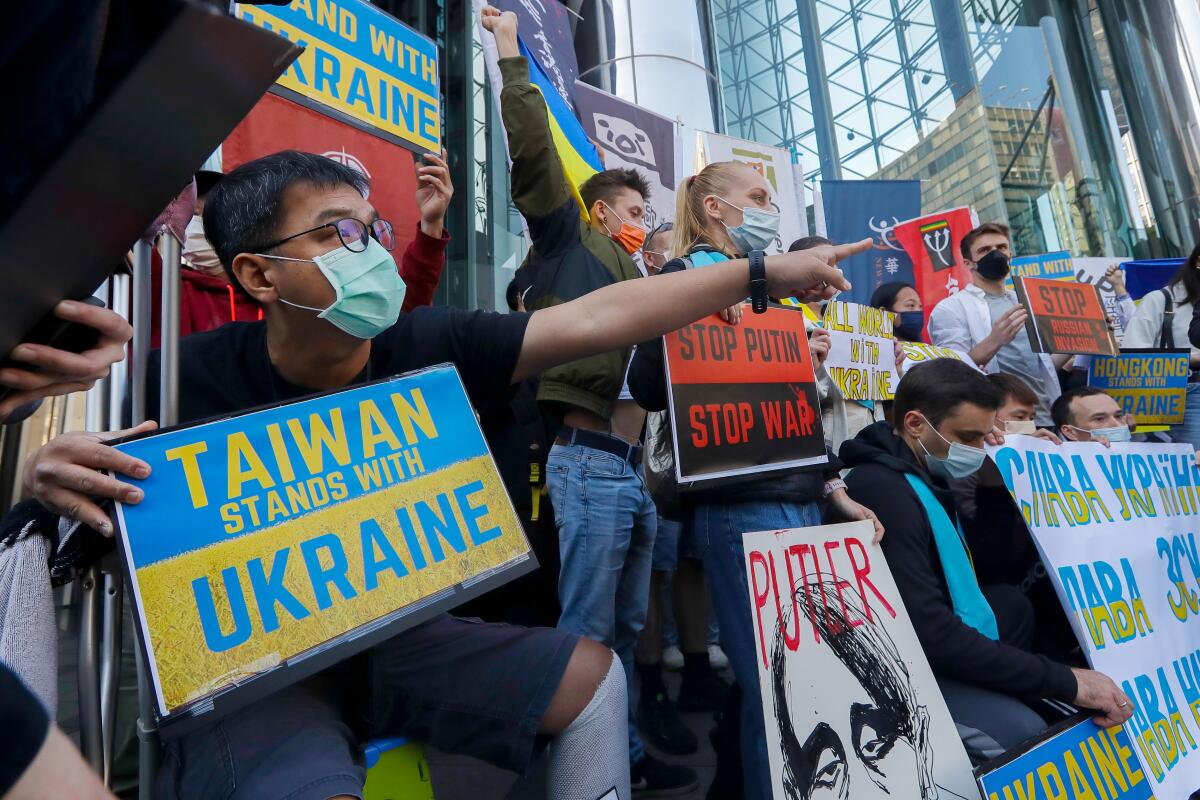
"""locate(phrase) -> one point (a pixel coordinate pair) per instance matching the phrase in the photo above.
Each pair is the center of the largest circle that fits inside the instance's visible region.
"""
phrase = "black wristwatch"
(758, 281)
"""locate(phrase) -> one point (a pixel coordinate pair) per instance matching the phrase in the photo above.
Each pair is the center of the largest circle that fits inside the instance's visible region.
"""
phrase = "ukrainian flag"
(578, 155)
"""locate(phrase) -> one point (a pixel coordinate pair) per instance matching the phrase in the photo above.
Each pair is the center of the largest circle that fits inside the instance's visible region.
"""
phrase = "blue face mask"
(910, 325)
(960, 462)
(1119, 433)
(368, 289)
(758, 229)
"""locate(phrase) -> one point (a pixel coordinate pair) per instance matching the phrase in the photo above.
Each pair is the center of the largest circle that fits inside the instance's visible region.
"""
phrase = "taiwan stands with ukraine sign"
(361, 65)
(274, 543)
(743, 398)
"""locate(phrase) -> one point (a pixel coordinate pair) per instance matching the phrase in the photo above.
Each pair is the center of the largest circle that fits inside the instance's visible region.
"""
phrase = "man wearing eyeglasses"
(332, 298)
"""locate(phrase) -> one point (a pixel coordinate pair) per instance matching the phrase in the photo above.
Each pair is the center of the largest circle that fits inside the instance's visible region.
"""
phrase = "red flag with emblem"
(932, 242)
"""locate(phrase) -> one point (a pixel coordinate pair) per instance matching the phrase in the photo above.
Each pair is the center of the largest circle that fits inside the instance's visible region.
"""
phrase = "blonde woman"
(725, 212)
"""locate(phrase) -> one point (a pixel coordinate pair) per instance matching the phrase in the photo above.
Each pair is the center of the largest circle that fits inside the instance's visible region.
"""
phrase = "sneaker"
(653, 778)
(702, 693)
(663, 728)
(672, 658)
(717, 657)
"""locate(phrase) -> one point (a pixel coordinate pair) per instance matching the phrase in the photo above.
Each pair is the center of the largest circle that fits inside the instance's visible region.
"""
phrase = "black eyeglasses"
(353, 233)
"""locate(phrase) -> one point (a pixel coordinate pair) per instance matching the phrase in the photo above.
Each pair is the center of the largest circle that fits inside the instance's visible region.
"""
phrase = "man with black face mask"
(986, 320)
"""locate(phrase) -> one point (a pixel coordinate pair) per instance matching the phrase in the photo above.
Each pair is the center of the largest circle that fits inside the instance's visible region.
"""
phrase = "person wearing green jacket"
(605, 516)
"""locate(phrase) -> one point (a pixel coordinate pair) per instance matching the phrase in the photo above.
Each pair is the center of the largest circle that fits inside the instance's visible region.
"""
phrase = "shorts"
(464, 686)
(674, 540)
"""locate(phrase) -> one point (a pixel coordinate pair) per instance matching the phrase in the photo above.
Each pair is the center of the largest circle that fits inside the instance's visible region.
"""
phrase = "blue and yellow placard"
(1149, 384)
(266, 535)
(1080, 761)
(362, 62)
(1054, 266)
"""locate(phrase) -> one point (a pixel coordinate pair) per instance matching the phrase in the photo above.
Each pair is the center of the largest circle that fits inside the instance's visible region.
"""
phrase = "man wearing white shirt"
(986, 321)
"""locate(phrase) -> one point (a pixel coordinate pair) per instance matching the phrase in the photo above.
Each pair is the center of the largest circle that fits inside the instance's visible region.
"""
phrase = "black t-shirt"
(25, 724)
(227, 370)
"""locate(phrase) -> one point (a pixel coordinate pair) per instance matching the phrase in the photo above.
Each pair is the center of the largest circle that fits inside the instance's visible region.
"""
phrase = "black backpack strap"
(1166, 335)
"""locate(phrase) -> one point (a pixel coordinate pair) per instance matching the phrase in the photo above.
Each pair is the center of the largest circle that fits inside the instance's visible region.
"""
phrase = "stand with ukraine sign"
(275, 543)
(1117, 530)
(360, 65)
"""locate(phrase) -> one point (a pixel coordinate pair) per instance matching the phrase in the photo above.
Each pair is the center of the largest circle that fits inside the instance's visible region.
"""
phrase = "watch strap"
(758, 281)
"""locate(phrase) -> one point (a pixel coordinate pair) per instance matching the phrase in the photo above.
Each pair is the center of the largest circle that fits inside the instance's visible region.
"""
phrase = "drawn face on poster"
(852, 708)
(878, 735)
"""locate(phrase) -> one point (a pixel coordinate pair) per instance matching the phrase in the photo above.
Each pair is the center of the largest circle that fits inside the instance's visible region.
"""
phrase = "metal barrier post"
(147, 730)
(90, 606)
(91, 726)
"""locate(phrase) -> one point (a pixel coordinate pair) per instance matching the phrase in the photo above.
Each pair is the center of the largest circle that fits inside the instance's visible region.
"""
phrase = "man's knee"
(589, 664)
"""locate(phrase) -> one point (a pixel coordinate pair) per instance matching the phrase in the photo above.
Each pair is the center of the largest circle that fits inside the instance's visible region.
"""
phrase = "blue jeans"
(1188, 431)
(719, 530)
(606, 524)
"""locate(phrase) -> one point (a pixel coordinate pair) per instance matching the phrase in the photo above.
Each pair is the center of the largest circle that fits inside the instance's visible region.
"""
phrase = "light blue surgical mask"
(368, 289)
(960, 462)
(1119, 433)
(758, 229)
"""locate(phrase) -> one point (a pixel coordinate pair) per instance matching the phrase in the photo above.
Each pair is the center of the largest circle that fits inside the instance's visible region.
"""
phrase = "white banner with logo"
(1117, 530)
(632, 137)
(775, 164)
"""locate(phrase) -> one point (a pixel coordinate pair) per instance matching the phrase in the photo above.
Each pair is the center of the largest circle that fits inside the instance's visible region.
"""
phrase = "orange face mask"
(629, 236)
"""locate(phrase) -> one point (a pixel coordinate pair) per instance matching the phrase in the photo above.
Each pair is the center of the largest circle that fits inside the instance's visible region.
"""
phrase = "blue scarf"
(965, 596)
(704, 258)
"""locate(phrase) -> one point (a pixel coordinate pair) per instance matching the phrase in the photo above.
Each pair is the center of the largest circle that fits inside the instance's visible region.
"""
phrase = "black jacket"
(879, 460)
(648, 385)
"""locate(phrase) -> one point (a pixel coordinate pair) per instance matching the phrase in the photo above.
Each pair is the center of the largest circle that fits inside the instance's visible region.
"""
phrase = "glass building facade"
(1071, 120)
(1077, 122)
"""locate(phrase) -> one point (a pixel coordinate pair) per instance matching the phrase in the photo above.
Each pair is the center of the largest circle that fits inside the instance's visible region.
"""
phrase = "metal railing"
(99, 599)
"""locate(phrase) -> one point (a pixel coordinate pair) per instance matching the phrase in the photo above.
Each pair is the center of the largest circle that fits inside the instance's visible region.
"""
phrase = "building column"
(818, 90)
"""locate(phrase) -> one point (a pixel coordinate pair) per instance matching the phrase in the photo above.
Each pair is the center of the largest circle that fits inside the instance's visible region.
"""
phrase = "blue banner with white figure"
(855, 210)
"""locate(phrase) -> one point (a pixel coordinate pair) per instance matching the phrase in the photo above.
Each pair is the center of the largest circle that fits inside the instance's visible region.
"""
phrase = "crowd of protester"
(289, 288)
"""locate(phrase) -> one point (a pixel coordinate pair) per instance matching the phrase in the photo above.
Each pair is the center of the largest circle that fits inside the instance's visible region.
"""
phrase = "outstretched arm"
(630, 312)
(539, 187)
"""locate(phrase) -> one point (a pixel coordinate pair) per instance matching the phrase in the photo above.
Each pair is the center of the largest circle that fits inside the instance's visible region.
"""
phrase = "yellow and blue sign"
(266, 535)
(1082, 761)
(362, 62)
(1149, 384)
(1052, 266)
(579, 157)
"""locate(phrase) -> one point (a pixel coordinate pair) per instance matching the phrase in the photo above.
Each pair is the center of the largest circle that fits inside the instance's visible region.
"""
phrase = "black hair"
(885, 294)
(605, 186)
(662, 227)
(988, 227)
(243, 210)
(512, 294)
(842, 621)
(1189, 276)
(937, 387)
(206, 180)
(1014, 387)
(1060, 412)
(807, 243)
